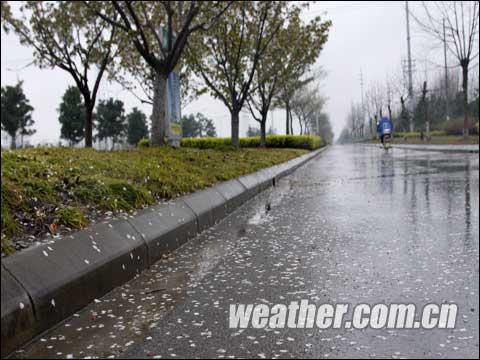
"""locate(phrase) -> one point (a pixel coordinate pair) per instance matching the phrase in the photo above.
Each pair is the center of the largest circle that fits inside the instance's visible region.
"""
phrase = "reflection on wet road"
(355, 225)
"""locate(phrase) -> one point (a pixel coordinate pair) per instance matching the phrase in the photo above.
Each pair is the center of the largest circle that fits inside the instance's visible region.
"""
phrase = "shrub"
(455, 127)
(206, 143)
(7, 247)
(438, 133)
(144, 143)
(272, 141)
(416, 134)
(71, 217)
(408, 135)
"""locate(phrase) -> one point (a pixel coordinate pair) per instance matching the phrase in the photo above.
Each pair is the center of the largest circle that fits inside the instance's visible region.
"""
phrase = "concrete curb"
(459, 149)
(44, 285)
(165, 227)
(17, 314)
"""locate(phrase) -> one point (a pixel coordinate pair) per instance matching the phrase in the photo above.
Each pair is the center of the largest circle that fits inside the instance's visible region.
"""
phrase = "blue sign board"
(174, 106)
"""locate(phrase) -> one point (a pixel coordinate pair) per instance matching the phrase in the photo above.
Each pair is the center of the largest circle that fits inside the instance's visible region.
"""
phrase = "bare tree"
(322, 125)
(389, 95)
(306, 105)
(355, 121)
(375, 99)
(461, 37)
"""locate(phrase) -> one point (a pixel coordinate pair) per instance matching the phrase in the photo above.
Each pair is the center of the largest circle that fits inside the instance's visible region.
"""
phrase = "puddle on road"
(262, 212)
(260, 217)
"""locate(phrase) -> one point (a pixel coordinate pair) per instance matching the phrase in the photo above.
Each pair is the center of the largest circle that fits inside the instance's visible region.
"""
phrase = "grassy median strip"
(50, 191)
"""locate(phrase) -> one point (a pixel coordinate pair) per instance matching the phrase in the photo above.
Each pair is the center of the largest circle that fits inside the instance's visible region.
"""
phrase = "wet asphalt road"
(355, 225)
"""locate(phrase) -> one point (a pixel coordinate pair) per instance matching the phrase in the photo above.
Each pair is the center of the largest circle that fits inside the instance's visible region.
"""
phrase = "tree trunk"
(466, 124)
(427, 122)
(235, 128)
(287, 111)
(88, 122)
(291, 120)
(389, 112)
(13, 144)
(263, 132)
(160, 120)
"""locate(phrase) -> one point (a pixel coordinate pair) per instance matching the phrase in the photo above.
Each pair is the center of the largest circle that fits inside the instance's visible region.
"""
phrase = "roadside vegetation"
(443, 133)
(440, 140)
(267, 60)
(447, 100)
(450, 136)
(448, 133)
(435, 139)
(273, 141)
(55, 190)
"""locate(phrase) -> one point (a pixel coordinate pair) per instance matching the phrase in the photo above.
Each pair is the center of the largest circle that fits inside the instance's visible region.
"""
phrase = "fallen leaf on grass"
(53, 228)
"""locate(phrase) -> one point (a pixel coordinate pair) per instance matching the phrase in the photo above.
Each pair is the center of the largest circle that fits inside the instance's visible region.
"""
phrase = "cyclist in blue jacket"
(384, 127)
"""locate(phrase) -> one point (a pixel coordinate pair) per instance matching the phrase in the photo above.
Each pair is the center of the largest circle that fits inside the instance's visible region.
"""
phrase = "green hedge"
(273, 141)
(416, 134)
(144, 143)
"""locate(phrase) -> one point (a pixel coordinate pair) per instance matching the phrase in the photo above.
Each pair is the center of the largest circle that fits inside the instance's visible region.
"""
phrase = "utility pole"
(447, 105)
(363, 103)
(389, 102)
(410, 81)
(353, 121)
(425, 110)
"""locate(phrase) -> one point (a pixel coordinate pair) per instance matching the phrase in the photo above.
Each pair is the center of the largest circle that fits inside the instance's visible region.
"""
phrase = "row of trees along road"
(256, 52)
(110, 120)
(111, 123)
(389, 99)
(447, 94)
(455, 23)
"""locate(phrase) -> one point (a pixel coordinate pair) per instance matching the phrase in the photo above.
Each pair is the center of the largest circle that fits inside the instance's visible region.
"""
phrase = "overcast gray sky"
(365, 35)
